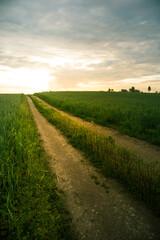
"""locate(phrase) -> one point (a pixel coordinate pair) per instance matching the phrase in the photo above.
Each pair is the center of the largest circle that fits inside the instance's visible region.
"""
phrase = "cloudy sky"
(79, 45)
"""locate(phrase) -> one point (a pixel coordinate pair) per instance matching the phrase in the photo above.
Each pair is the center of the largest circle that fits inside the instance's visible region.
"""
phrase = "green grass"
(134, 114)
(141, 178)
(30, 203)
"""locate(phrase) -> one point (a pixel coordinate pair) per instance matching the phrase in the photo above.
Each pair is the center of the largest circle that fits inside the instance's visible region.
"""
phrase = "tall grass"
(141, 178)
(135, 114)
(30, 206)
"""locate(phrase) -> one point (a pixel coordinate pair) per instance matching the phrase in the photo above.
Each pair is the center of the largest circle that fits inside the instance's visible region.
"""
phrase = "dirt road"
(98, 213)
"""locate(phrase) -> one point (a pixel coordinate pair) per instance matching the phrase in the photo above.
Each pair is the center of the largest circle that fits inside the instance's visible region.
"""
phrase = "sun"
(27, 80)
(36, 79)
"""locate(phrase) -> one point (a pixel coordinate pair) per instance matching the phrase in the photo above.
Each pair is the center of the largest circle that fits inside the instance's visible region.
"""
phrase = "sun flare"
(27, 80)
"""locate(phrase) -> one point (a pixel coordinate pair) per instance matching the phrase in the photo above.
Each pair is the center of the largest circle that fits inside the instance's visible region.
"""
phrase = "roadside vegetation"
(134, 114)
(141, 178)
(30, 203)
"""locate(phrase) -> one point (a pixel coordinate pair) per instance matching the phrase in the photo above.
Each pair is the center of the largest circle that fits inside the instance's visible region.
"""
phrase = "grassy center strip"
(30, 203)
(141, 178)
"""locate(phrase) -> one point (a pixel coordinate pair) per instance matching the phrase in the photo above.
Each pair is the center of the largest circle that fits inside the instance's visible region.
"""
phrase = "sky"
(65, 45)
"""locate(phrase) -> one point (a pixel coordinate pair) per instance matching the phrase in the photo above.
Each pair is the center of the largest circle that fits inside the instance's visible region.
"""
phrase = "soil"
(99, 212)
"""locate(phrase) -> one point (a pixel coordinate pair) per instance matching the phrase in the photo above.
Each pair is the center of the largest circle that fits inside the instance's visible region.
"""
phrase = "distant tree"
(110, 90)
(149, 89)
(124, 90)
(133, 90)
(137, 91)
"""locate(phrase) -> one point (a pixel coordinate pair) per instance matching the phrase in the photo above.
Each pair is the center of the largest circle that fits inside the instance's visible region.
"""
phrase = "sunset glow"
(24, 80)
(71, 45)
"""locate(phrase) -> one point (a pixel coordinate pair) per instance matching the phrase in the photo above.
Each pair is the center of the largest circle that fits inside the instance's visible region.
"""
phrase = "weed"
(105, 187)
(93, 177)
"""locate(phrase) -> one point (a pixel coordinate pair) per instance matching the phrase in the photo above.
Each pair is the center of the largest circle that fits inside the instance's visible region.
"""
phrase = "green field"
(134, 114)
(30, 206)
(30, 203)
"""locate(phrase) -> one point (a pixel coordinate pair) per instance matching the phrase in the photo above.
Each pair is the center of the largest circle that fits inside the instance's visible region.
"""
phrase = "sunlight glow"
(140, 79)
(69, 61)
(93, 85)
(25, 79)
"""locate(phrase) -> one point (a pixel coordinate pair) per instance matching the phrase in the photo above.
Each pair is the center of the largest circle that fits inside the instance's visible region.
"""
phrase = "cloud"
(80, 41)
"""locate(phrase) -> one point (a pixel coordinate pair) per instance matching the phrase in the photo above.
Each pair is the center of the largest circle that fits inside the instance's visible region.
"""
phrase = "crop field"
(134, 114)
(141, 178)
(30, 202)
(30, 206)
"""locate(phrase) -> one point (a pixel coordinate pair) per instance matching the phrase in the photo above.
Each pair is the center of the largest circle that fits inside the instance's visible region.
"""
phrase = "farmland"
(134, 114)
(141, 178)
(30, 206)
